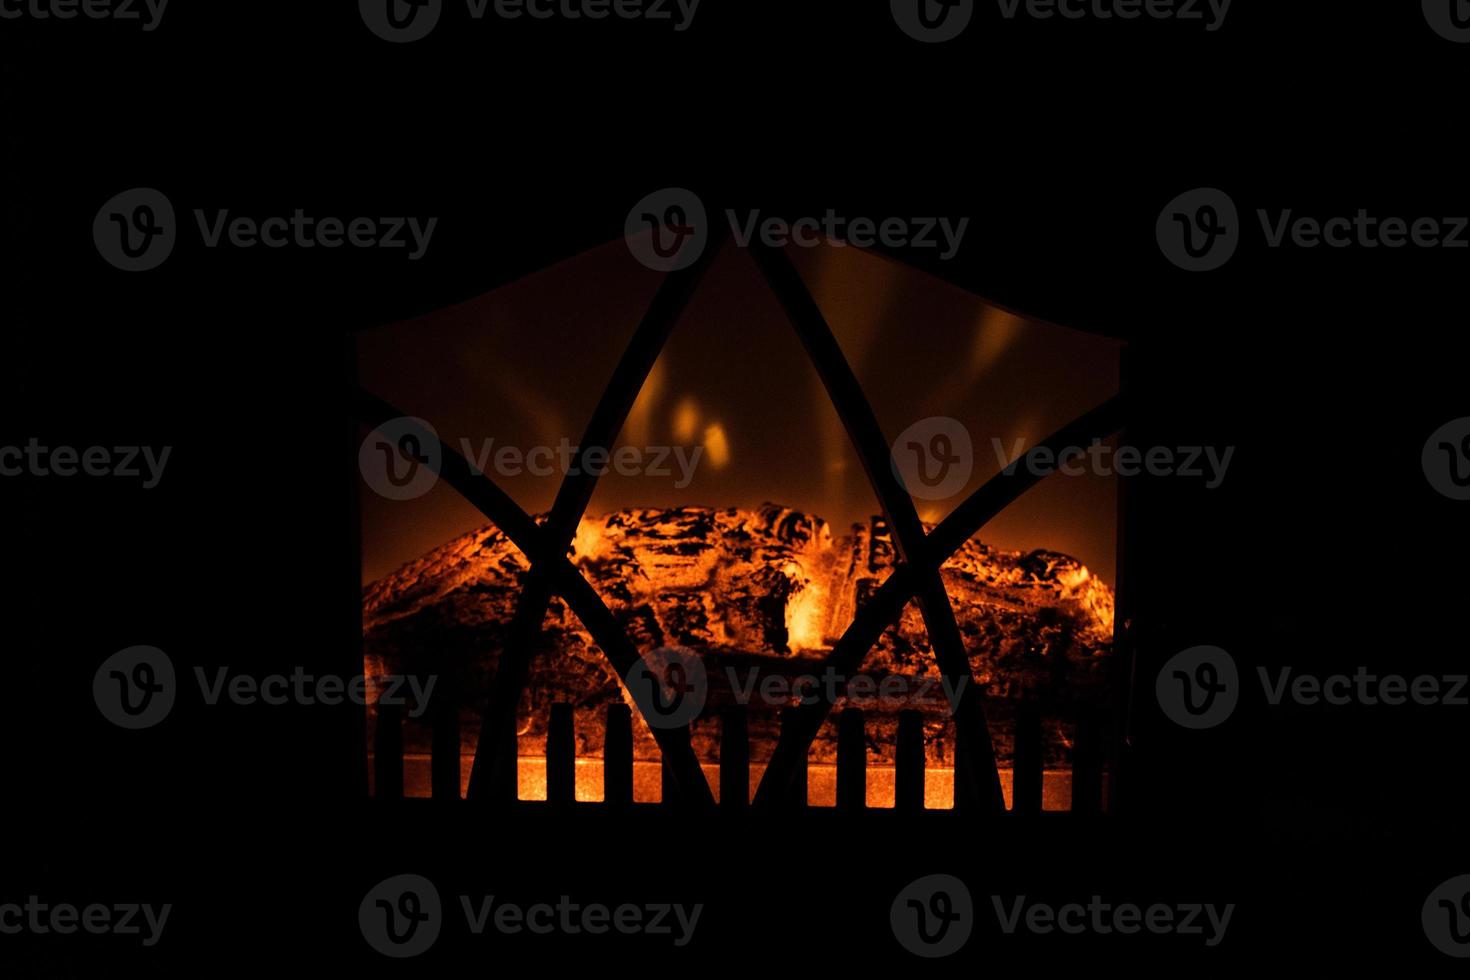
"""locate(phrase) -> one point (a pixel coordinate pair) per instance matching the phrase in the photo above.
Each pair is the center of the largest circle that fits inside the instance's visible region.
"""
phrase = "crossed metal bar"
(862, 427)
(497, 768)
(544, 553)
(904, 583)
(916, 576)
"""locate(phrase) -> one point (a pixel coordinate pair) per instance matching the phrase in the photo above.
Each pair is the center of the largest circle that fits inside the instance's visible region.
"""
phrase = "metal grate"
(916, 575)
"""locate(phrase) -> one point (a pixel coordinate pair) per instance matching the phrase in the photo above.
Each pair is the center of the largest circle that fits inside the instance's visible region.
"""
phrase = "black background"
(1327, 368)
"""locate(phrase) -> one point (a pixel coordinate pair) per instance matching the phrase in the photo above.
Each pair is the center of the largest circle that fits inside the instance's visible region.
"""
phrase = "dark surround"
(1328, 370)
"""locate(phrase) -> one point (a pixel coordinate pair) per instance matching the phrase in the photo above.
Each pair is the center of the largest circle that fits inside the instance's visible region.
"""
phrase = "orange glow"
(1056, 785)
(588, 540)
(804, 614)
(996, 333)
(637, 430)
(716, 446)
(1083, 585)
(686, 419)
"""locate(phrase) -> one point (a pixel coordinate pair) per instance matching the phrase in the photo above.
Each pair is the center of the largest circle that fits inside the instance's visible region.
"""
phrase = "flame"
(822, 591)
(716, 446)
(804, 614)
(686, 419)
(636, 430)
(588, 541)
(1081, 585)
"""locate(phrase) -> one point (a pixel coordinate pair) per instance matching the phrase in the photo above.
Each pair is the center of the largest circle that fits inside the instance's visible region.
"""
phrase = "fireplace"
(831, 632)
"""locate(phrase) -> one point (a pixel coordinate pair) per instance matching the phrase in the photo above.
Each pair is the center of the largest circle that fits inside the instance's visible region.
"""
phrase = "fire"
(686, 419)
(589, 538)
(685, 424)
(805, 613)
(757, 594)
(716, 446)
(1097, 598)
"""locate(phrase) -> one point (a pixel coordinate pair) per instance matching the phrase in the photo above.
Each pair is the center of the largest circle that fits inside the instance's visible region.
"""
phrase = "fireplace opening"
(752, 562)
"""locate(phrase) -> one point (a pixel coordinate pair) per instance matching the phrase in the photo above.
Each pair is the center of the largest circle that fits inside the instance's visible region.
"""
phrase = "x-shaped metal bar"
(856, 413)
(492, 768)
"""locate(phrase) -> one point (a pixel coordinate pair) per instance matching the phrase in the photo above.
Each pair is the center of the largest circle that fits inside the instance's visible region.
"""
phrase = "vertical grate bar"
(795, 796)
(908, 776)
(561, 755)
(1027, 765)
(671, 793)
(734, 758)
(852, 760)
(388, 753)
(1087, 757)
(617, 756)
(444, 748)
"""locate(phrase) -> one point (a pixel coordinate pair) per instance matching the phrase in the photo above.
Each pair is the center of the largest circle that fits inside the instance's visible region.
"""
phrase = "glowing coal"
(760, 596)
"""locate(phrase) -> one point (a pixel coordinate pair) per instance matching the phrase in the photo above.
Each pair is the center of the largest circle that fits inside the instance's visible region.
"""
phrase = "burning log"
(760, 596)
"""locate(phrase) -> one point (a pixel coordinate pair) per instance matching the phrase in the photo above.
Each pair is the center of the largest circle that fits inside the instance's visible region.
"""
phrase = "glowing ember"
(758, 595)
(1056, 785)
